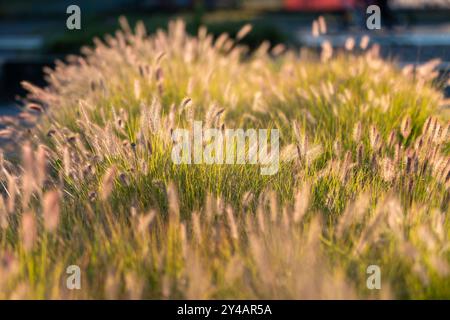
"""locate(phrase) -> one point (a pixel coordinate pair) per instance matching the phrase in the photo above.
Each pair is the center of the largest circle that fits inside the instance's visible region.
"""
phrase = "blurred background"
(33, 33)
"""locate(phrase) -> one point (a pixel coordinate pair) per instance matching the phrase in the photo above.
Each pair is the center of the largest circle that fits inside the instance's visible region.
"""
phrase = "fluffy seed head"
(51, 210)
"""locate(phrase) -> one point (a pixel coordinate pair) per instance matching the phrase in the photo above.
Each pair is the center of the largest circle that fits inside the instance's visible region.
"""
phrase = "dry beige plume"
(144, 221)
(406, 127)
(315, 29)
(108, 182)
(301, 203)
(28, 230)
(322, 25)
(364, 43)
(172, 198)
(374, 137)
(357, 132)
(51, 210)
(244, 31)
(387, 170)
(349, 44)
(232, 223)
(327, 51)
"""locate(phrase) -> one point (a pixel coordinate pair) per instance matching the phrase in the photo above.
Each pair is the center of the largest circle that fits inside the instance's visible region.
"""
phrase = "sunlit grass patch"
(363, 177)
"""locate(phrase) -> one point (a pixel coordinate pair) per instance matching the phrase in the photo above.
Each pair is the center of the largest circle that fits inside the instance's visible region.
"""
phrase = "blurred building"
(420, 4)
(320, 5)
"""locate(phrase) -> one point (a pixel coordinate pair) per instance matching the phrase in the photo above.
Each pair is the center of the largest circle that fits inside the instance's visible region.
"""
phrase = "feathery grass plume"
(408, 69)
(159, 75)
(184, 240)
(220, 41)
(285, 218)
(440, 265)
(144, 221)
(337, 148)
(210, 115)
(302, 141)
(21, 292)
(442, 170)
(360, 154)
(314, 233)
(375, 138)
(371, 232)
(107, 183)
(392, 139)
(209, 207)
(357, 129)
(436, 133)
(278, 50)
(273, 203)
(28, 231)
(247, 200)
(444, 134)
(245, 30)
(432, 128)
(260, 217)
(134, 285)
(289, 153)
(426, 70)
(405, 128)
(41, 165)
(398, 153)
(220, 205)
(112, 284)
(353, 214)
(327, 51)
(51, 210)
(39, 94)
(426, 125)
(232, 223)
(349, 44)
(28, 177)
(394, 216)
(6, 133)
(137, 89)
(229, 44)
(173, 201)
(364, 43)
(198, 278)
(67, 161)
(387, 170)
(315, 31)
(196, 227)
(301, 203)
(374, 52)
(123, 22)
(35, 107)
(322, 25)
(3, 214)
(11, 191)
(9, 268)
(346, 166)
(411, 162)
(313, 153)
(185, 103)
(217, 116)
(262, 49)
(427, 237)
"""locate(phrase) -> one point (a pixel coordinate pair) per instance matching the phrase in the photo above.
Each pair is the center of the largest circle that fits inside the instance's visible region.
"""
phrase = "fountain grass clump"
(363, 176)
